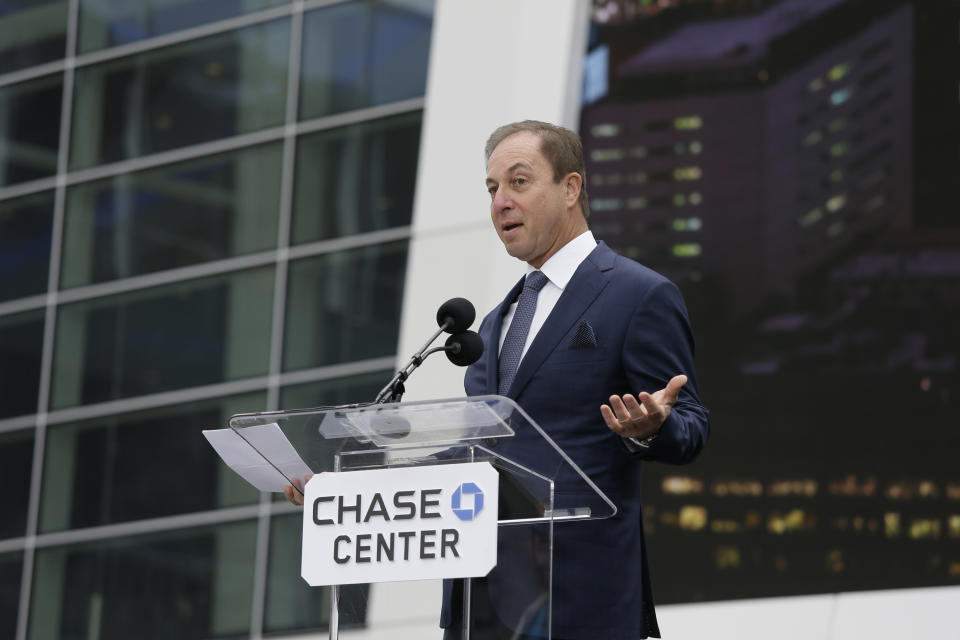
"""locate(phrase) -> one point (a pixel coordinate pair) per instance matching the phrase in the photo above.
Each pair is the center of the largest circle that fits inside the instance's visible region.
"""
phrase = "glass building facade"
(205, 209)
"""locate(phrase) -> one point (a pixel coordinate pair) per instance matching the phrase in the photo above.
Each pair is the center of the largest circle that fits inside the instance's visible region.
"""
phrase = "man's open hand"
(642, 417)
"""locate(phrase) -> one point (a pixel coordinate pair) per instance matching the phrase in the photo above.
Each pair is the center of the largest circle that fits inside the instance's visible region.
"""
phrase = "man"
(605, 367)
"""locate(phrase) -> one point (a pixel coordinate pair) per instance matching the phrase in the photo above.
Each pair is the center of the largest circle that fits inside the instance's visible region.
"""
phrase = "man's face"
(533, 215)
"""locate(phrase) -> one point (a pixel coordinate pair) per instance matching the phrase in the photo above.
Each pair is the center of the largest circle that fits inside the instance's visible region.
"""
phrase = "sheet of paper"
(242, 455)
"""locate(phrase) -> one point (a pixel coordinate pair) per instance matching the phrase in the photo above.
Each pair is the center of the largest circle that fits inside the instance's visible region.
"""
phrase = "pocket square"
(584, 338)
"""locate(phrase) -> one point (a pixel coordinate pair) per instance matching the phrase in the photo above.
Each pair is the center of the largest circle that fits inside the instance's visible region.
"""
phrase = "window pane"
(16, 465)
(25, 226)
(31, 32)
(11, 571)
(346, 390)
(191, 212)
(356, 179)
(172, 337)
(291, 604)
(99, 471)
(359, 54)
(194, 583)
(21, 341)
(106, 23)
(185, 94)
(30, 129)
(344, 306)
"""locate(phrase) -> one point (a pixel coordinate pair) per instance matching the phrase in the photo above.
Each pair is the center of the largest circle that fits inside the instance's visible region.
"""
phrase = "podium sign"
(411, 523)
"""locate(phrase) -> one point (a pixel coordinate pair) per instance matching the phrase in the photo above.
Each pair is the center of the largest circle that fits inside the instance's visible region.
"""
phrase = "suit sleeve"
(658, 346)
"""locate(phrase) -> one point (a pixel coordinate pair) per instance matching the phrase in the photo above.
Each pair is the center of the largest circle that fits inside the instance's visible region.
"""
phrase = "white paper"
(242, 455)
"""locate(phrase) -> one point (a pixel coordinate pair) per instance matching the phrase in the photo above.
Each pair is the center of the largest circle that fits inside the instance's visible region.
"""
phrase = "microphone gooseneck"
(463, 347)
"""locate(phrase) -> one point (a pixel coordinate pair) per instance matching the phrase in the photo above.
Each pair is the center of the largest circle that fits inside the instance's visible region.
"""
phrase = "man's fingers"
(620, 410)
(653, 409)
(673, 388)
(295, 495)
(635, 409)
(611, 419)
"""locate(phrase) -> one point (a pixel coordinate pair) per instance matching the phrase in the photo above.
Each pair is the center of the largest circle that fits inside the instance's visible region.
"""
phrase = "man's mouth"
(510, 226)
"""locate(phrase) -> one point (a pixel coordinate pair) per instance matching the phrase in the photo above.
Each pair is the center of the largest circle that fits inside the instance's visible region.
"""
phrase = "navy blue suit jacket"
(601, 586)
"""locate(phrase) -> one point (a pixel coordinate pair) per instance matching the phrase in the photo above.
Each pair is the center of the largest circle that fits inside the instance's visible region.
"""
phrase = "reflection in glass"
(21, 341)
(100, 471)
(291, 604)
(16, 461)
(335, 391)
(182, 335)
(344, 306)
(180, 95)
(11, 572)
(30, 129)
(187, 213)
(360, 54)
(356, 179)
(194, 583)
(25, 226)
(31, 33)
(106, 23)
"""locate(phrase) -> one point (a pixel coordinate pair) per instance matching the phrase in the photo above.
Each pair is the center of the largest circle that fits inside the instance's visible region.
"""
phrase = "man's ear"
(573, 183)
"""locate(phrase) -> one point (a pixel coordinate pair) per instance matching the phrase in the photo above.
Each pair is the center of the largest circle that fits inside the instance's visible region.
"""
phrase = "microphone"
(463, 347)
(456, 315)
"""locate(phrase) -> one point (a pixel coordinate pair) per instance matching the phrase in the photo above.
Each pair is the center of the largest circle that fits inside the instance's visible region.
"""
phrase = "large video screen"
(794, 167)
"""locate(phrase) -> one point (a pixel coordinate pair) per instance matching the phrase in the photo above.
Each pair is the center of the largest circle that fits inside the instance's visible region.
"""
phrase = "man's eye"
(492, 191)
(518, 181)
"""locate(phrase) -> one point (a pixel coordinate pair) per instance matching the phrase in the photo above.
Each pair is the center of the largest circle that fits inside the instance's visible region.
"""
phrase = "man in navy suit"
(605, 368)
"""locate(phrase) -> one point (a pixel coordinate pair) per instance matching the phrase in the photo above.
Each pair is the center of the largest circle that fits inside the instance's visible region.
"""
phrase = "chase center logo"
(467, 501)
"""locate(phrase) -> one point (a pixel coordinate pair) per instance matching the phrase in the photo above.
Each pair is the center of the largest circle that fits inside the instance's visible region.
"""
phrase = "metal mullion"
(206, 392)
(353, 368)
(23, 304)
(171, 276)
(32, 73)
(196, 394)
(49, 330)
(206, 269)
(343, 243)
(158, 42)
(18, 423)
(214, 147)
(180, 37)
(173, 156)
(356, 116)
(157, 400)
(12, 545)
(28, 188)
(150, 525)
(258, 595)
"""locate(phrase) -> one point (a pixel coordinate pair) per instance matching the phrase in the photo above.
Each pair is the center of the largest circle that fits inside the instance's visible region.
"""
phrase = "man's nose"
(501, 200)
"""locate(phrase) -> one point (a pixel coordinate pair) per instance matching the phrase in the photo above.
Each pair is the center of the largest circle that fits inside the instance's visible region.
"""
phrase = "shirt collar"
(561, 266)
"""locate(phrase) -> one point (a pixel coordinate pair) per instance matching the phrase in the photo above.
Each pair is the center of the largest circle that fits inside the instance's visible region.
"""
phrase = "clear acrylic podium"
(540, 487)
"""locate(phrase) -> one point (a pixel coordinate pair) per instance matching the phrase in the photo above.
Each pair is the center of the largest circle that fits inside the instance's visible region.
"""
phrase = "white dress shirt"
(559, 269)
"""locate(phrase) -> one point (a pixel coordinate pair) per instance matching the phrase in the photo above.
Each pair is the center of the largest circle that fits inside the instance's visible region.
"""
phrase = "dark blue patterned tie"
(519, 328)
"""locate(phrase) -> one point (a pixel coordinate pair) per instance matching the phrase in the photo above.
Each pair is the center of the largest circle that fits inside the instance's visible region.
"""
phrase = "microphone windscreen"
(471, 348)
(460, 310)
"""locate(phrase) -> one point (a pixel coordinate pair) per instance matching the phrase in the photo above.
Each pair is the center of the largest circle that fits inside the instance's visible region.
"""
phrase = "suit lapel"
(587, 283)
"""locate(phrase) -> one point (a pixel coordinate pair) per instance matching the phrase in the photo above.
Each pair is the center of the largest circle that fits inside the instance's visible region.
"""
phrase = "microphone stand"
(394, 389)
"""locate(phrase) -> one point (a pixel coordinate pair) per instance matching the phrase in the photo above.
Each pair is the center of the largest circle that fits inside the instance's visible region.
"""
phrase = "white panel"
(800, 618)
(931, 614)
(491, 63)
